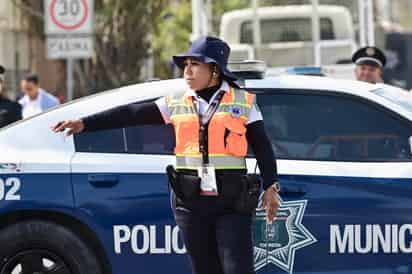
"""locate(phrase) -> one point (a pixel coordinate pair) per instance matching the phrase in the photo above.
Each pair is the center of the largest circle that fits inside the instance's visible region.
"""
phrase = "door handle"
(103, 180)
(292, 190)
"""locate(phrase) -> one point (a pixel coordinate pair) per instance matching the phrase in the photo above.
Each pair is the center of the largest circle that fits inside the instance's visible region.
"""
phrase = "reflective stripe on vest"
(219, 162)
(227, 128)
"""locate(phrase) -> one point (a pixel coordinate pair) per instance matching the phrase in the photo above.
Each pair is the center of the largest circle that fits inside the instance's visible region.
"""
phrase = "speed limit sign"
(69, 30)
(69, 16)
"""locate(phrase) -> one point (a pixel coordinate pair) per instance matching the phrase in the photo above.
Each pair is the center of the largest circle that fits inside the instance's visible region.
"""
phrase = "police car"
(99, 202)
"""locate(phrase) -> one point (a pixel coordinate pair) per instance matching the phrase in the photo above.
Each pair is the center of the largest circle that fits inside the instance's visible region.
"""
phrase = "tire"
(44, 247)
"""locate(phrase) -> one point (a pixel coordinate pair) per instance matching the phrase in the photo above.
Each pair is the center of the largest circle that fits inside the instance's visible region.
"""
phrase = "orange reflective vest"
(227, 144)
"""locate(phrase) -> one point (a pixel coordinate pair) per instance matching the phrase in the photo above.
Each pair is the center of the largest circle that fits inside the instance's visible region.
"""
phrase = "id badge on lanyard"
(208, 185)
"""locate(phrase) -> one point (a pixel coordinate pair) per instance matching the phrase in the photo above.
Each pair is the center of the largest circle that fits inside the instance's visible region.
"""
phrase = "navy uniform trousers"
(218, 240)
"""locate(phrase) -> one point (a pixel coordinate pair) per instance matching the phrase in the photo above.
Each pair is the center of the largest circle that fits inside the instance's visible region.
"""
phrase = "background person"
(369, 63)
(35, 99)
(10, 111)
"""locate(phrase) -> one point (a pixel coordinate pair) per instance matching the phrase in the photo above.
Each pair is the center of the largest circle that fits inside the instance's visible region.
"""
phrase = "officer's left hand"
(270, 202)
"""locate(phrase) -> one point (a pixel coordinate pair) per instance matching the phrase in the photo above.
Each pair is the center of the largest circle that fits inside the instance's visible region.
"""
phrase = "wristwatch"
(276, 186)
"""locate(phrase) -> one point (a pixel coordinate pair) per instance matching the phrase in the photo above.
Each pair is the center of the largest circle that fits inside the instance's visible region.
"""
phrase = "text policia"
(148, 239)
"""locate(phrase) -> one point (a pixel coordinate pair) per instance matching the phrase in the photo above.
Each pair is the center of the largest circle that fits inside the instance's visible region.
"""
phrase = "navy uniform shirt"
(9, 111)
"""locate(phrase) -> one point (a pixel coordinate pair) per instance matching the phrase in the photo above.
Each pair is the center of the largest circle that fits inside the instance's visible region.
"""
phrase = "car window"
(333, 128)
(286, 30)
(151, 139)
(105, 141)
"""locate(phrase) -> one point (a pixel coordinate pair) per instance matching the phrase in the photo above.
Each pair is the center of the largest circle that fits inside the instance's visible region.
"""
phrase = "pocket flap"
(235, 125)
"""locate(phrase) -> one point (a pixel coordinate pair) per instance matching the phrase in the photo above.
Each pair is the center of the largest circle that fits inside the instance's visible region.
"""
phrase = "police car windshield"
(396, 95)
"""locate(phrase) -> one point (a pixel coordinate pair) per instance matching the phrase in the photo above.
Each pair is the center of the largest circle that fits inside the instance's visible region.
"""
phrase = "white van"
(286, 34)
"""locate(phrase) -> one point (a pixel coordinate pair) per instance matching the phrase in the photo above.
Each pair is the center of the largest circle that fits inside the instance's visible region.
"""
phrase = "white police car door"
(346, 175)
(120, 184)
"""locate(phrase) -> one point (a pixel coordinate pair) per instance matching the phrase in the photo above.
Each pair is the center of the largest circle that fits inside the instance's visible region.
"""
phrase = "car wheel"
(43, 247)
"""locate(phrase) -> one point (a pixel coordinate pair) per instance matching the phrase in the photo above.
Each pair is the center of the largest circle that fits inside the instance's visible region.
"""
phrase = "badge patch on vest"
(235, 111)
(276, 243)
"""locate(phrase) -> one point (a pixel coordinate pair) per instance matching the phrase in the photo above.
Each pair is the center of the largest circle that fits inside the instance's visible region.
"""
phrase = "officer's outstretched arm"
(119, 117)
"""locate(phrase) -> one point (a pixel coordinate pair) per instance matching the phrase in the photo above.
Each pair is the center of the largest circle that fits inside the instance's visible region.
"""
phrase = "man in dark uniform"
(9, 111)
(369, 63)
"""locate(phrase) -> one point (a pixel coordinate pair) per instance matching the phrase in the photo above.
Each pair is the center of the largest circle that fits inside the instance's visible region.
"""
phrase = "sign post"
(69, 71)
(69, 30)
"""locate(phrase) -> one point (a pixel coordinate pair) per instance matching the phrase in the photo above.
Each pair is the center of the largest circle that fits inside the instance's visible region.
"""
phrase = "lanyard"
(204, 124)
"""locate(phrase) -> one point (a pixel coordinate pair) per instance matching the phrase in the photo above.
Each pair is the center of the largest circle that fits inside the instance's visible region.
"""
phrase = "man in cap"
(9, 111)
(369, 63)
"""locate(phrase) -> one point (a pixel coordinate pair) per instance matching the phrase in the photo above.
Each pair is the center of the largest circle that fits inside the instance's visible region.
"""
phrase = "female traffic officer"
(214, 122)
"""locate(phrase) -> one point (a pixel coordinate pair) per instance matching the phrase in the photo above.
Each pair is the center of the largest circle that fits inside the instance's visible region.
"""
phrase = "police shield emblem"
(273, 235)
(275, 244)
(235, 111)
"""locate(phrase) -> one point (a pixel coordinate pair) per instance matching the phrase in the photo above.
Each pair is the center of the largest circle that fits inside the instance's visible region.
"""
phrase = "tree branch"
(28, 9)
(106, 64)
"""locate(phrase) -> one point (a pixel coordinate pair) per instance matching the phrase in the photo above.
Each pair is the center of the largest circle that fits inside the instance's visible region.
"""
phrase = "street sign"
(69, 29)
(68, 16)
(75, 47)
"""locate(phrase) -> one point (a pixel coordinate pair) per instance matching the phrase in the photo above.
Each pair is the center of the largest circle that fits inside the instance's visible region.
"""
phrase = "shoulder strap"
(211, 110)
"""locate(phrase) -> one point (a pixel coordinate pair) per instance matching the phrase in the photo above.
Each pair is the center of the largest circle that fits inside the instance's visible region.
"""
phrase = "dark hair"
(33, 78)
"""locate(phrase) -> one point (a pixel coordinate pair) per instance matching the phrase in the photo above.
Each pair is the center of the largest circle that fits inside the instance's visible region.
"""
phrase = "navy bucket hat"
(208, 50)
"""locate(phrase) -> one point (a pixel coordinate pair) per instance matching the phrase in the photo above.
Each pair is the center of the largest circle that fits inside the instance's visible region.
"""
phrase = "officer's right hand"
(270, 202)
(74, 126)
